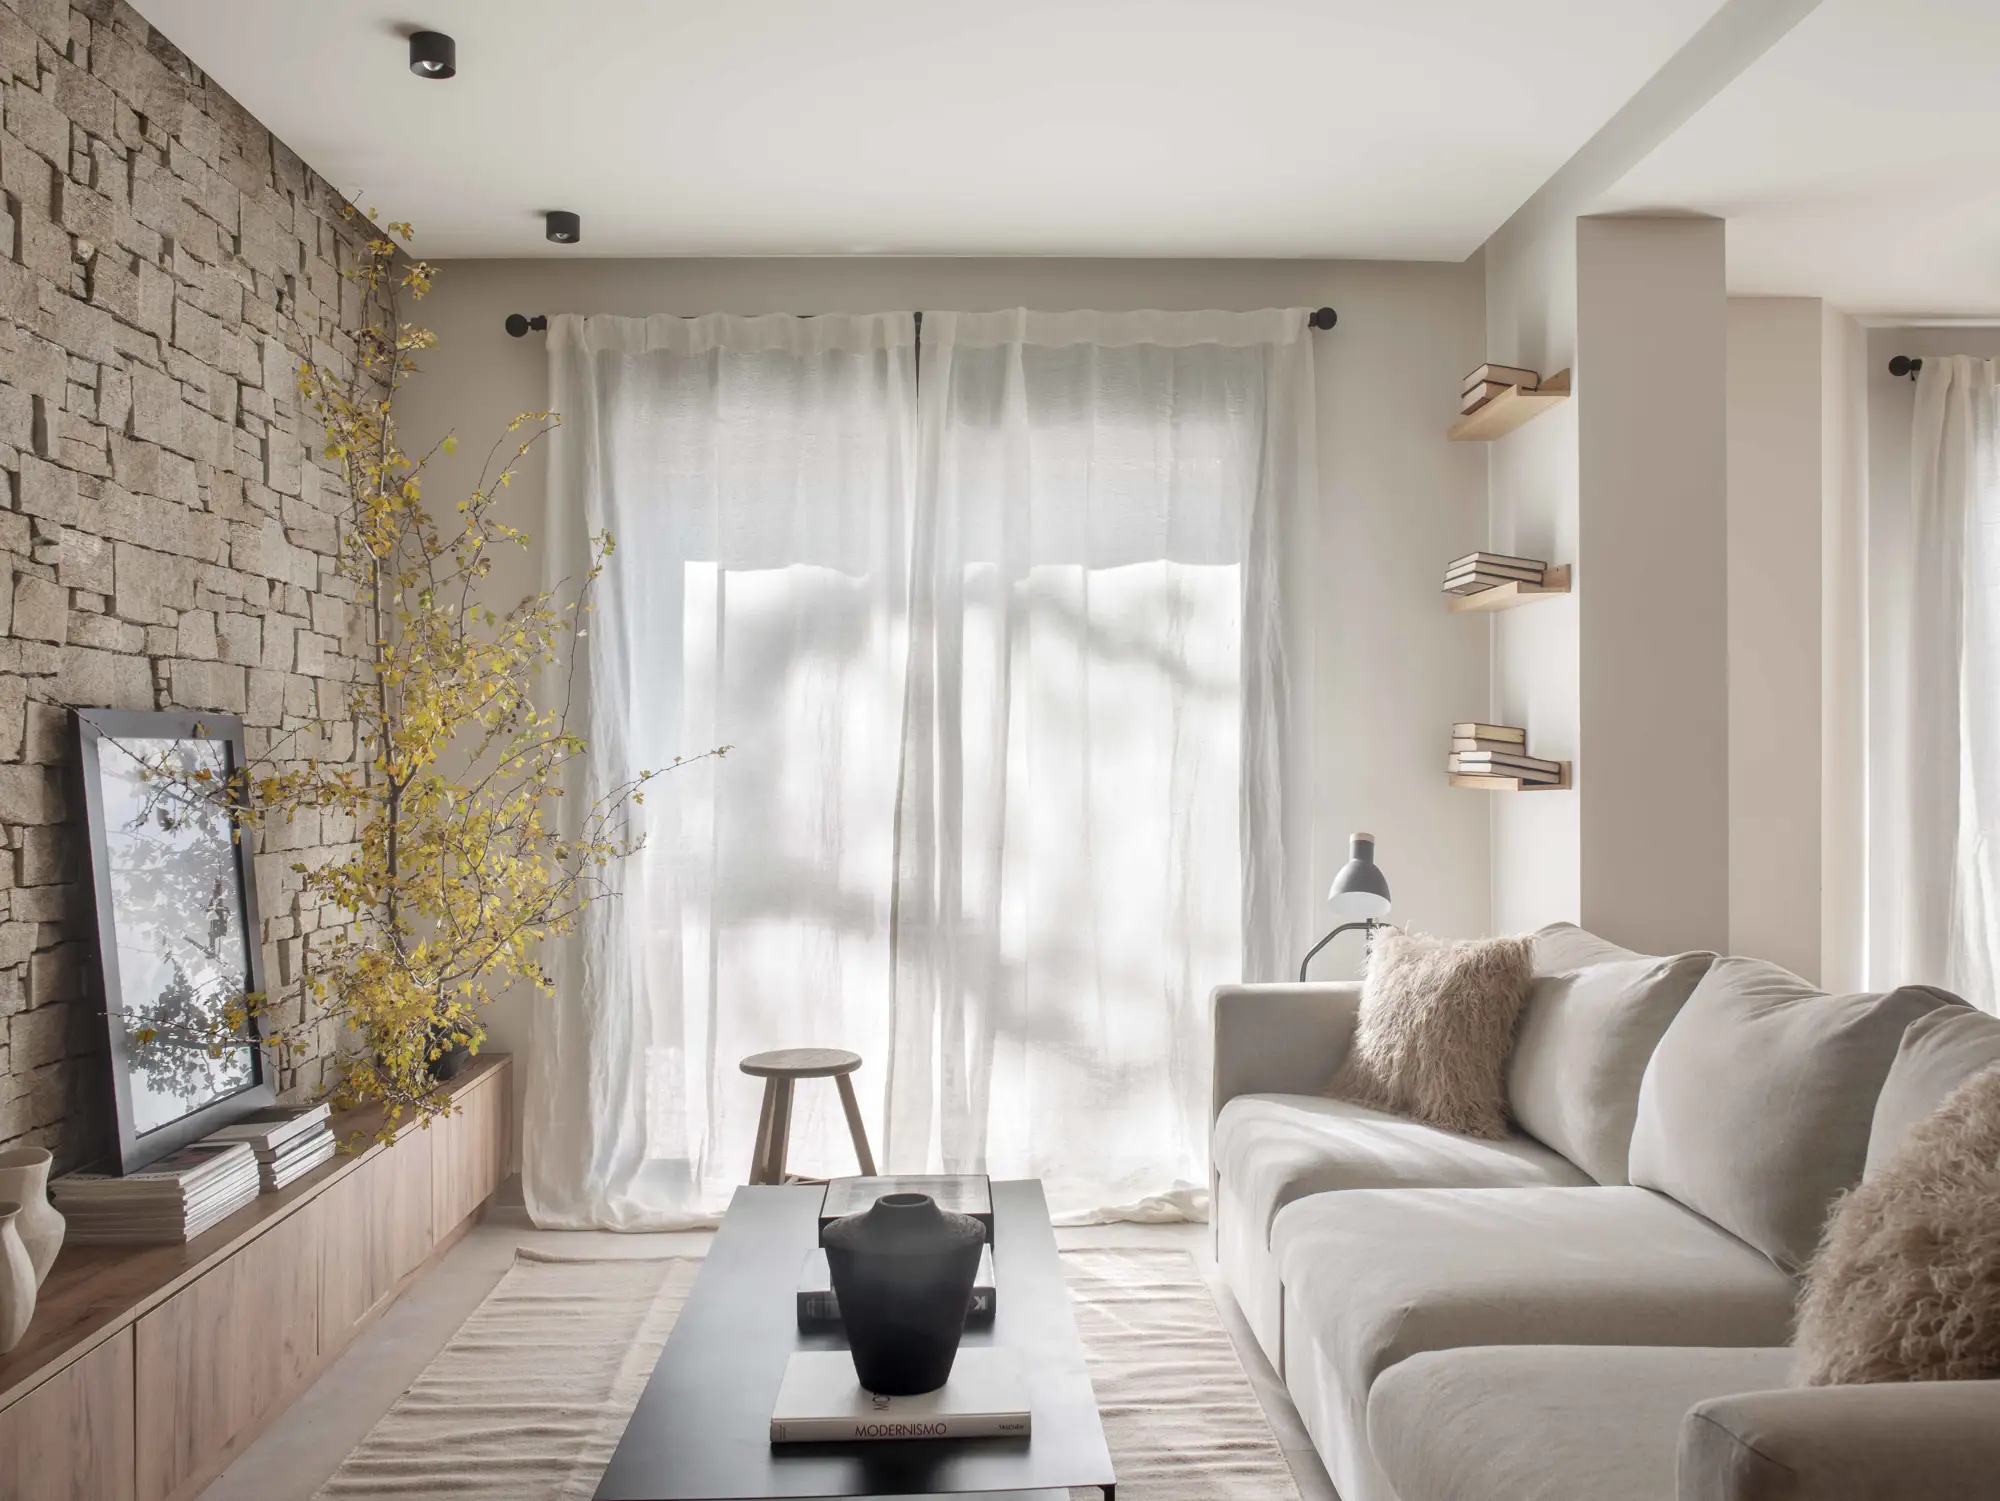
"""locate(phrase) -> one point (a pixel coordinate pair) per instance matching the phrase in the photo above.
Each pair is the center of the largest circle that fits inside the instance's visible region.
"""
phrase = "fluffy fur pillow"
(1906, 1284)
(1435, 1024)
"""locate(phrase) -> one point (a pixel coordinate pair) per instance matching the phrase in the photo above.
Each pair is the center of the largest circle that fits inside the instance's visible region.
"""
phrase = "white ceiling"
(1406, 129)
(1858, 160)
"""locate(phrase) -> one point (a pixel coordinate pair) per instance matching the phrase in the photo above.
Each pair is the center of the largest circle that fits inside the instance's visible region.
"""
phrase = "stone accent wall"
(168, 529)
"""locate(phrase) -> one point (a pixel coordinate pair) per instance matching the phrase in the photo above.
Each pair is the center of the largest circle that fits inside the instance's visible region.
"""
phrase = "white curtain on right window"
(1089, 834)
(1934, 697)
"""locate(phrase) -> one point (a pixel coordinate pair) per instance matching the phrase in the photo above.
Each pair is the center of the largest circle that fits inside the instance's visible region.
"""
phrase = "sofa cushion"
(1756, 1107)
(1938, 1053)
(1527, 1423)
(1586, 1034)
(1372, 1278)
(1273, 1148)
(1563, 946)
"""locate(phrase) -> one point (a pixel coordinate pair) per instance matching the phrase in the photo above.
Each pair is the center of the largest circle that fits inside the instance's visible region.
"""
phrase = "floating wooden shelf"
(1510, 784)
(1508, 596)
(1509, 410)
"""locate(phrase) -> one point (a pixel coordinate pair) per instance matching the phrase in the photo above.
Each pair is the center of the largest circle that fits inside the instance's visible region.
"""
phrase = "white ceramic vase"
(17, 1280)
(24, 1180)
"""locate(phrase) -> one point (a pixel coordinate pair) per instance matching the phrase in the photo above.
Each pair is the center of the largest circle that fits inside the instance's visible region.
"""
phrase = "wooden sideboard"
(148, 1369)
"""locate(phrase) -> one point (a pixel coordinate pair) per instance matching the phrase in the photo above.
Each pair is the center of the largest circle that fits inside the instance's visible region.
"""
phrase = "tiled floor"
(292, 1460)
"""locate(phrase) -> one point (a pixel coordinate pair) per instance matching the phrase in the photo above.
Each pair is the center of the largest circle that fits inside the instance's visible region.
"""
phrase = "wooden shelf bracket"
(1512, 595)
(1509, 410)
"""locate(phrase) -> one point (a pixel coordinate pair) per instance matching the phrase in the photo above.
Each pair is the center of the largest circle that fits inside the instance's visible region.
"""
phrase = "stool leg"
(854, 1127)
(781, 1128)
(760, 1157)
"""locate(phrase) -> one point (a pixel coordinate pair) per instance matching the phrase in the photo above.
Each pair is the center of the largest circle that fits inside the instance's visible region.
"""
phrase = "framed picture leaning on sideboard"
(178, 941)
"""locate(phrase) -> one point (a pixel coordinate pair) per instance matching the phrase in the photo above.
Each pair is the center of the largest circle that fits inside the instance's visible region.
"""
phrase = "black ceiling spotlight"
(433, 55)
(564, 228)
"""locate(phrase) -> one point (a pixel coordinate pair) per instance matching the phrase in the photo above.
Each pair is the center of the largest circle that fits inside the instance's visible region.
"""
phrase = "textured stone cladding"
(168, 529)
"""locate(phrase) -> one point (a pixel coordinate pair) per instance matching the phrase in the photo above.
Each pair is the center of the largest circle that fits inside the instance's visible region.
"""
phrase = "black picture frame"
(94, 727)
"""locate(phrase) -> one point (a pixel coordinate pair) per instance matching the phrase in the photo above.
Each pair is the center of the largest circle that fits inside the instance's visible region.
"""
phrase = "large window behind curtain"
(1933, 866)
(997, 653)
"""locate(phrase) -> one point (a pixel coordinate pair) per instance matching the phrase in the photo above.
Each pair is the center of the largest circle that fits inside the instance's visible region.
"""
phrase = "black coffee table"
(701, 1431)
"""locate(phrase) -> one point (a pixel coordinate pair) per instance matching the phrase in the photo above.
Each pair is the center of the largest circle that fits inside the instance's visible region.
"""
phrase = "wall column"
(1653, 751)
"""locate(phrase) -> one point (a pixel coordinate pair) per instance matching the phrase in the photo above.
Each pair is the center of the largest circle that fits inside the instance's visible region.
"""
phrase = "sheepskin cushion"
(1435, 1023)
(1906, 1285)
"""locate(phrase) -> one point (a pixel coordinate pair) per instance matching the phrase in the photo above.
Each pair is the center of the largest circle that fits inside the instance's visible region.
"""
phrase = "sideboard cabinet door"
(224, 1353)
(70, 1439)
(468, 1152)
(378, 1231)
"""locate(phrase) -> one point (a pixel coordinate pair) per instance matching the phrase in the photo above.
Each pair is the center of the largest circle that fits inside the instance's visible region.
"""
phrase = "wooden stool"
(779, 1071)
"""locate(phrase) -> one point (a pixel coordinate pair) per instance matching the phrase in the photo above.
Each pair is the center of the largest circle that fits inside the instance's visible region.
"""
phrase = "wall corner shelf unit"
(1511, 595)
(1509, 410)
(1510, 784)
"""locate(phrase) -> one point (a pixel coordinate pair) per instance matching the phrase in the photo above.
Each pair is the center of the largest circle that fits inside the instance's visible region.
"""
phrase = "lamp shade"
(1360, 891)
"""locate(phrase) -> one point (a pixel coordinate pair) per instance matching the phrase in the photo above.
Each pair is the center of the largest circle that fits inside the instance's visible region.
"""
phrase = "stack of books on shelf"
(175, 1199)
(289, 1140)
(1479, 571)
(1487, 381)
(1500, 752)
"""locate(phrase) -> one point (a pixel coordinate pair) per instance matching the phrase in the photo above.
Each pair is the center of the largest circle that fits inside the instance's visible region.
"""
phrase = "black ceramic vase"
(902, 1275)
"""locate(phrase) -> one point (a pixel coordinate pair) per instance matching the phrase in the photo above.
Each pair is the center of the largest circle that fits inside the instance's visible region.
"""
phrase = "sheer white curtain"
(755, 475)
(1001, 656)
(1934, 696)
(1090, 835)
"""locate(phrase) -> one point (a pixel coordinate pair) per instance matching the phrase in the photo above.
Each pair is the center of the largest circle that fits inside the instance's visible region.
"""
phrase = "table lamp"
(1360, 894)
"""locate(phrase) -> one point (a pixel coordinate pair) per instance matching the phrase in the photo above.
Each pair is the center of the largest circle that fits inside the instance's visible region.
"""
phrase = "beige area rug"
(527, 1401)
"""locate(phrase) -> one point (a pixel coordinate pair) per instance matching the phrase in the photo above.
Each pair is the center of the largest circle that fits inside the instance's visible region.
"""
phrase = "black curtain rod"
(1903, 365)
(521, 324)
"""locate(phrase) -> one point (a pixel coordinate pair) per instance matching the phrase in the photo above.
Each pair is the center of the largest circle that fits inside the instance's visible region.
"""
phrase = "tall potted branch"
(461, 866)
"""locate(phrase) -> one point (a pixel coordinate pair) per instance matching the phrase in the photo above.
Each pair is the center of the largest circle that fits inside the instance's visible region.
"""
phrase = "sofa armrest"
(1280, 1039)
(1905, 1441)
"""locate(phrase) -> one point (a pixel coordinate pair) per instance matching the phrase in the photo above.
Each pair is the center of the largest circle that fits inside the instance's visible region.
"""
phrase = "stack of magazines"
(289, 1140)
(178, 1197)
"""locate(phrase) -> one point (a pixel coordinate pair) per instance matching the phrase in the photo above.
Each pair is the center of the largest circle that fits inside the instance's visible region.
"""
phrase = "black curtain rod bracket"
(1903, 365)
(520, 325)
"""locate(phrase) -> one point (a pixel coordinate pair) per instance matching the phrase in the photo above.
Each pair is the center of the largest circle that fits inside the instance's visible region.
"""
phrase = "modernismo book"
(821, 1402)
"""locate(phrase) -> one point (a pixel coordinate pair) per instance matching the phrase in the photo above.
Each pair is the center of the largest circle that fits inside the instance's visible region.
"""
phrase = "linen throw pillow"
(1587, 1033)
(1938, 1053)
(1756, 1108)
(1906, 1284)
(1435, 1022)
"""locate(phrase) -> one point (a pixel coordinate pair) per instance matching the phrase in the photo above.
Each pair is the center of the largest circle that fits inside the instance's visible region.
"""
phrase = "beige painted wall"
(1843, 688)
(1652, 475)
(1533, 512)
(1776, 485)
(1626, 481)
(1389, 669)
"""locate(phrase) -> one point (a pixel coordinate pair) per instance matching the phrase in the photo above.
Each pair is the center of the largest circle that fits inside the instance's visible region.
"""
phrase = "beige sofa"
(1598, 1307)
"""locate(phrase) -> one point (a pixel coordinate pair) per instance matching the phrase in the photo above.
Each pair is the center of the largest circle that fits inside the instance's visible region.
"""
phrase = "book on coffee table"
(961, 1193)
(820, 1401)
(819, 1308)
